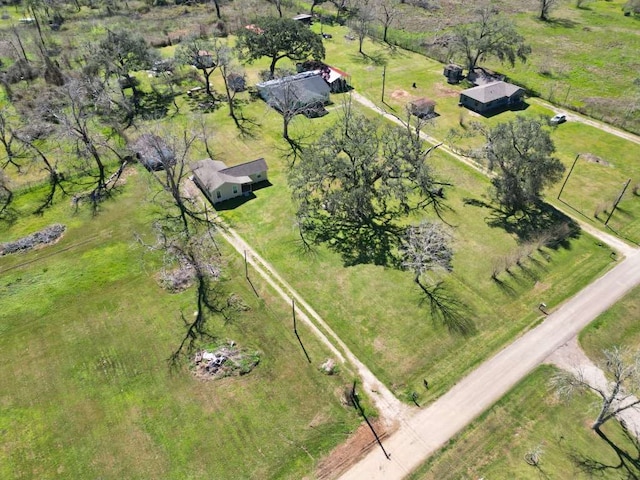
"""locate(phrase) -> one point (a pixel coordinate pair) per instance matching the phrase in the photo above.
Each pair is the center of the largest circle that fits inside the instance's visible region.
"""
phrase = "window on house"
(259, 175)
(218, 194)
(235, 189)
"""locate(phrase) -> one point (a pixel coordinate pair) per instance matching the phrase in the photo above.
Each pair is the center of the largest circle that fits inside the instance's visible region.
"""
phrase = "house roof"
(213, 173)
(491, 91)
(305, 88)
(246, 169)
(333, 74)
(152, 151)
(423, 102)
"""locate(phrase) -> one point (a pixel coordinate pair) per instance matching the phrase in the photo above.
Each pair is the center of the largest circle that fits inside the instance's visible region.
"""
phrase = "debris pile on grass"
(45, 236)
(224, 361)
(184, 275)
(178, 279)
(329, 367)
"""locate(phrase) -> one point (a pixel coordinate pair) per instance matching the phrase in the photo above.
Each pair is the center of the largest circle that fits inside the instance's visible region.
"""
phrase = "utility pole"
(384, 80)
(568, 174)
(615, 204)
(356, 403)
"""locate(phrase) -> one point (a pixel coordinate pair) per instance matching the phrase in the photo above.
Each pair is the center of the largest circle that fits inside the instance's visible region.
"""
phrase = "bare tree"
(200, 53)
(56, 178)
(230, 78)
(186, 235)
(278, 5)
(13, 149)
(290, 100)
(361, 23)
(545, 8)
(426, 250)
(6, 195)
(387, 11)
(622, 367)
(72, 111)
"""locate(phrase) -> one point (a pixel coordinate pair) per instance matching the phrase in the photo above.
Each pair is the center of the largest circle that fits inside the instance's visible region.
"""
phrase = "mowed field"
(86, 390)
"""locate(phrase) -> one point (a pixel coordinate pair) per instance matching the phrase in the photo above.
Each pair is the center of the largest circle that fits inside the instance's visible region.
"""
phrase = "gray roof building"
(296, 92)
(152, 152)
(219, 182)
(491, 96)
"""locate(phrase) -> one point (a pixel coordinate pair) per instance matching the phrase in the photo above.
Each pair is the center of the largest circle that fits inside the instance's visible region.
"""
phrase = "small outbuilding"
(219, 182)
(453, 73)
(152, 152)
(305, 92)
(423, 108)
(303, 18)
(492, 96)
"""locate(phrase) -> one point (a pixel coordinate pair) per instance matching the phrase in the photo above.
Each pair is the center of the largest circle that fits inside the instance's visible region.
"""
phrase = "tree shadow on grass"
(561, 23)
(377, 58)
(628, 465)
(369, 243)
(447, 310)
(540, 220)
(153, 105)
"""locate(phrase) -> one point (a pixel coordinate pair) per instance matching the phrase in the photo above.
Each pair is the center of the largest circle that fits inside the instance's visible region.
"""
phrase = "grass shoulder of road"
(528, 419)
(85, 333)
(618, 326)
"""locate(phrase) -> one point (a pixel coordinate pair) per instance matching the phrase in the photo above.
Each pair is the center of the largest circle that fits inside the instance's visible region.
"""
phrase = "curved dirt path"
(390, 408)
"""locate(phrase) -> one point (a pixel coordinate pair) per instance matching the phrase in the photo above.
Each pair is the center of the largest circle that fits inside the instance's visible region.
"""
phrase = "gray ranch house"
(306, 92)
(491, 96)
(219, 182)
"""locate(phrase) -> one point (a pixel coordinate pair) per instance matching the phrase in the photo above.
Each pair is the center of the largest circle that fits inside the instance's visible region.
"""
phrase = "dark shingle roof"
(305, 87)
(152, 151)
(212, 174)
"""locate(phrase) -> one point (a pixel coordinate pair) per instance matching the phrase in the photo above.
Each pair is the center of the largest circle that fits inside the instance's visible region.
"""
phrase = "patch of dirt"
(590, 157)
(378, 344)
(541, 287)
(400, 94)
(445, 91)
(352, 450)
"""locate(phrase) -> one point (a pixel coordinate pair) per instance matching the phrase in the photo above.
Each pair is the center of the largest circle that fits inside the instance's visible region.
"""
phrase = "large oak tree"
(278, 38)
(489, 34)
(520, 152)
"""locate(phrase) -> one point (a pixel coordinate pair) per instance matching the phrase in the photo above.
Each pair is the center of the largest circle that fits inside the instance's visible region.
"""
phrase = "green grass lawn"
(607, 161)
(529, 416)
(378, 309)
(618, 326)
(86, 391)
(568, 64)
